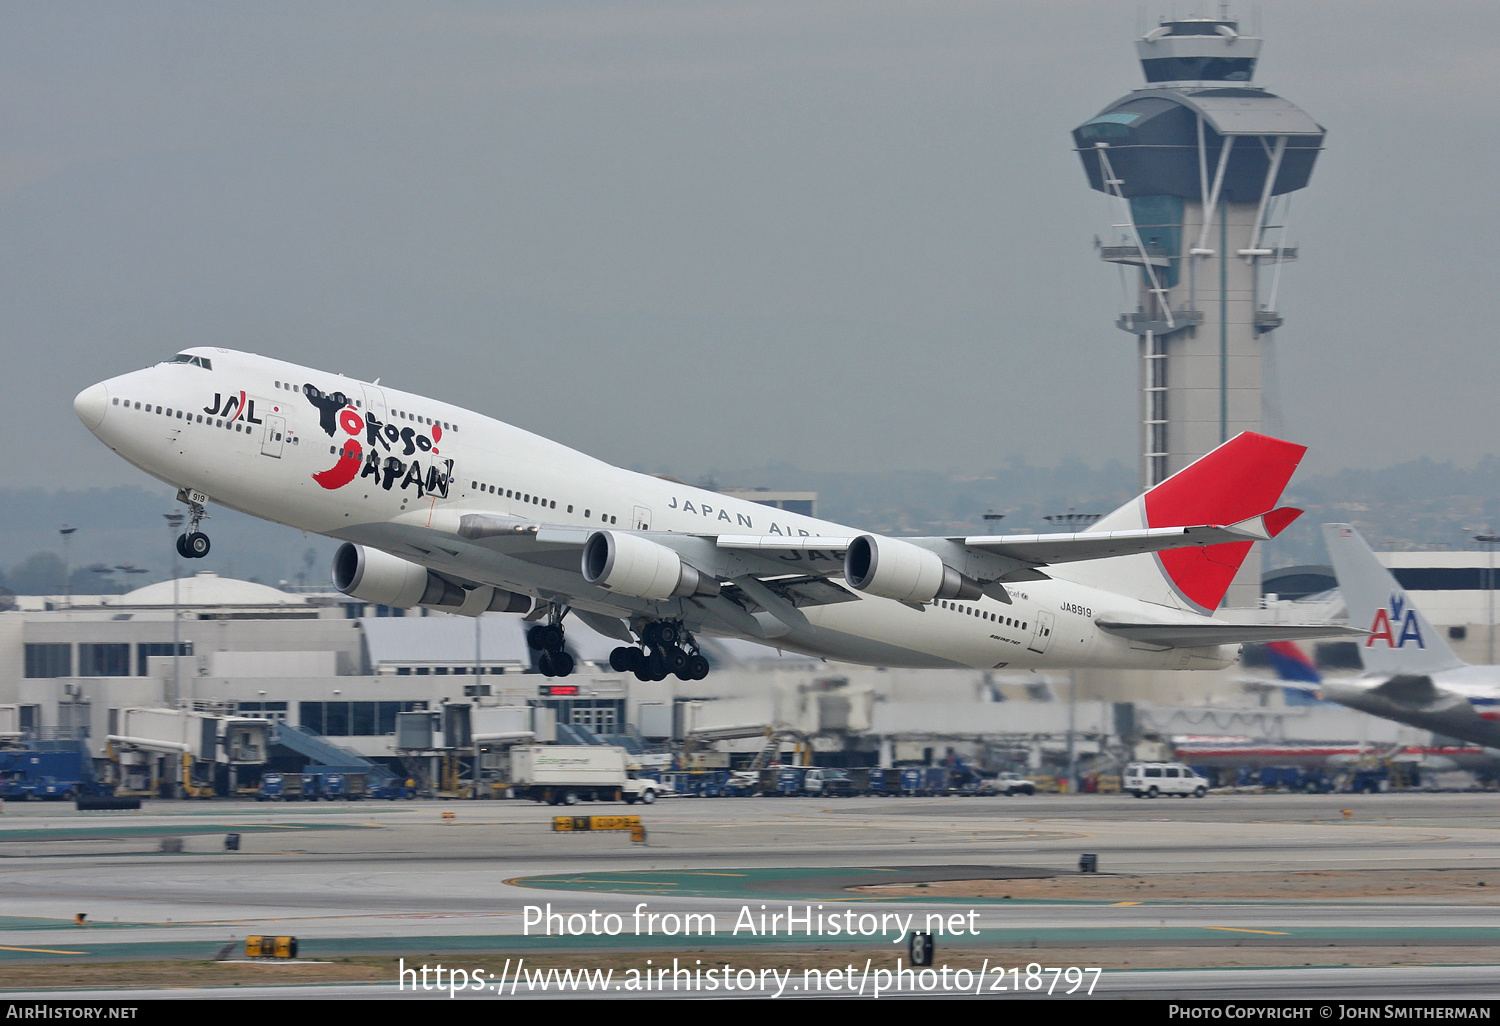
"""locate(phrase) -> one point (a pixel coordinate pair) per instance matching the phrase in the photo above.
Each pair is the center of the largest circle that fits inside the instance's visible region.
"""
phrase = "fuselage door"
(374, 403)
(275, 432)
(642, 519)
(1041, 634)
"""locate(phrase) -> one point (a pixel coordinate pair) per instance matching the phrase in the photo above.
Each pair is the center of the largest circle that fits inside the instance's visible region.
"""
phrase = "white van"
(1150, 779)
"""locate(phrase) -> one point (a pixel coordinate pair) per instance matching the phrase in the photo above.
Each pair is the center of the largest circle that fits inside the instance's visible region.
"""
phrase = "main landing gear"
(193, 544)
(548, 639)
(669, 649)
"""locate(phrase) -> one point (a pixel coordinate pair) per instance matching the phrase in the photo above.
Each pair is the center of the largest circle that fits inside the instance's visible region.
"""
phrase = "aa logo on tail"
(1384, 625)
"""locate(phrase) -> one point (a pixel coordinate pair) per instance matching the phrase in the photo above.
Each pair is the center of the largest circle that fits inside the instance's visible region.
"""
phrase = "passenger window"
(117, 400)
(585, 514)
(1153, 771)
(1171, 774)
(570, 509)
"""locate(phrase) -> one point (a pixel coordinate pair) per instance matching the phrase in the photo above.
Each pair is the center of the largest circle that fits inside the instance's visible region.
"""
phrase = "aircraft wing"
(1215, 632)
(987, 558)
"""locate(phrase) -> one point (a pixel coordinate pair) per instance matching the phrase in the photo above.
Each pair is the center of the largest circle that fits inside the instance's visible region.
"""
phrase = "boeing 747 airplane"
(446, 508)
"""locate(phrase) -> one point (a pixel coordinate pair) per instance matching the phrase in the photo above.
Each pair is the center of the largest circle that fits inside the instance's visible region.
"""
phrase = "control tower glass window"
(1158, 221)
(1199, 69)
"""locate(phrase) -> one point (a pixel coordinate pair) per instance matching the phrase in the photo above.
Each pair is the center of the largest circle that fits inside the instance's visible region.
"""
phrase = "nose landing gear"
(668, 649)
(193, 544)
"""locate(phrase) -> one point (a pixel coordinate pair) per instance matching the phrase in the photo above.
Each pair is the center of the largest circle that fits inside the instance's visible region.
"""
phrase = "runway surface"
(400, 880)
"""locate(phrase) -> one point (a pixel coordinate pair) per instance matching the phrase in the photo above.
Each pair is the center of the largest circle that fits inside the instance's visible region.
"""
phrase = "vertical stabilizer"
(1241, 479)
(1400, 640)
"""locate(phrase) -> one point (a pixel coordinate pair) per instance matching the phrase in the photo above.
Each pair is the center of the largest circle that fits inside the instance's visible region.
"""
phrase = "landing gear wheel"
(562, 664)
(622, 659)
(182, 549)
(677, 660)
(667, 634)
(697, 668)
(545, 636)
(197, 545)
(545, 665)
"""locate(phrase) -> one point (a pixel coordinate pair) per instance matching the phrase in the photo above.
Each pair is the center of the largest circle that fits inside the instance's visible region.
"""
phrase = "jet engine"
(374, 576)
(636, 566)
(902, 571)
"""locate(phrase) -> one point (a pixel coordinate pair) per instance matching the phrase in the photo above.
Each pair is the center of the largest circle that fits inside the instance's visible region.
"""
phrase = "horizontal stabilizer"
(1216, 632)
(1043, 549)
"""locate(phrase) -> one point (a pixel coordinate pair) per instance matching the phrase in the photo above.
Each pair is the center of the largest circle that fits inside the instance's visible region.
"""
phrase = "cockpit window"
(196, 361)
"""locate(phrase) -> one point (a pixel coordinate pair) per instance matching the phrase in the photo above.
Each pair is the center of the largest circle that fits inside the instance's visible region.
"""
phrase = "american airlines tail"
(1400, 640)
(1240, 481)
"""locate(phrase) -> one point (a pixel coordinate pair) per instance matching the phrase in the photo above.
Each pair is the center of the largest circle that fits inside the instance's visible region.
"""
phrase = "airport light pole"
(1488, 540)
(174, 525)
(67, 536)
(1074, 522)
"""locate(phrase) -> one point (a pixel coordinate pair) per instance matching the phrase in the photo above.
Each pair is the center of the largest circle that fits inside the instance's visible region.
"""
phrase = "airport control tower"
(1203, 165)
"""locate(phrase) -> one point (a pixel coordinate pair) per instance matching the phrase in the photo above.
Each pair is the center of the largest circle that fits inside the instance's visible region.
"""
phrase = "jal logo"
(1384, 626)
(383, 452)
(232, 408)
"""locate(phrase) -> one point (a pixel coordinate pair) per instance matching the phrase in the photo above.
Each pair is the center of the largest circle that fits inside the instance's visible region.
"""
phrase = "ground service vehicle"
(1152, 779)
(569, 774)
(827, 783)
(1008, 784)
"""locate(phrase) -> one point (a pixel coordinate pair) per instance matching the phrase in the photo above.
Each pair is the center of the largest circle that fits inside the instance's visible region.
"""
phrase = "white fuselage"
(242, 432)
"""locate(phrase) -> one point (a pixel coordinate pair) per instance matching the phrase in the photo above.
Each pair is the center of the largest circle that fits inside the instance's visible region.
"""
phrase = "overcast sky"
(709, 236)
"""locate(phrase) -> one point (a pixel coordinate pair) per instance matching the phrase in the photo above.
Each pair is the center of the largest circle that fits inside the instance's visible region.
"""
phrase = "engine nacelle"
(374, 576)
(485, 599)
(902, 571)
(636, 566)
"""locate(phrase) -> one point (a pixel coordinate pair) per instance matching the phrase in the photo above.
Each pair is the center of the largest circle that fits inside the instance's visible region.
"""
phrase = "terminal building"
(326, 667)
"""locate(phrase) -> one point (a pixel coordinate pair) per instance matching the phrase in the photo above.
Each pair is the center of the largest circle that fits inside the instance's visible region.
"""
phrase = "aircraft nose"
(90, 405)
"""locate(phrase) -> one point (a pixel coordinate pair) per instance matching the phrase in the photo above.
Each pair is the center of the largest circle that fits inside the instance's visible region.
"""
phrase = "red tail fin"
(1242, 478)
